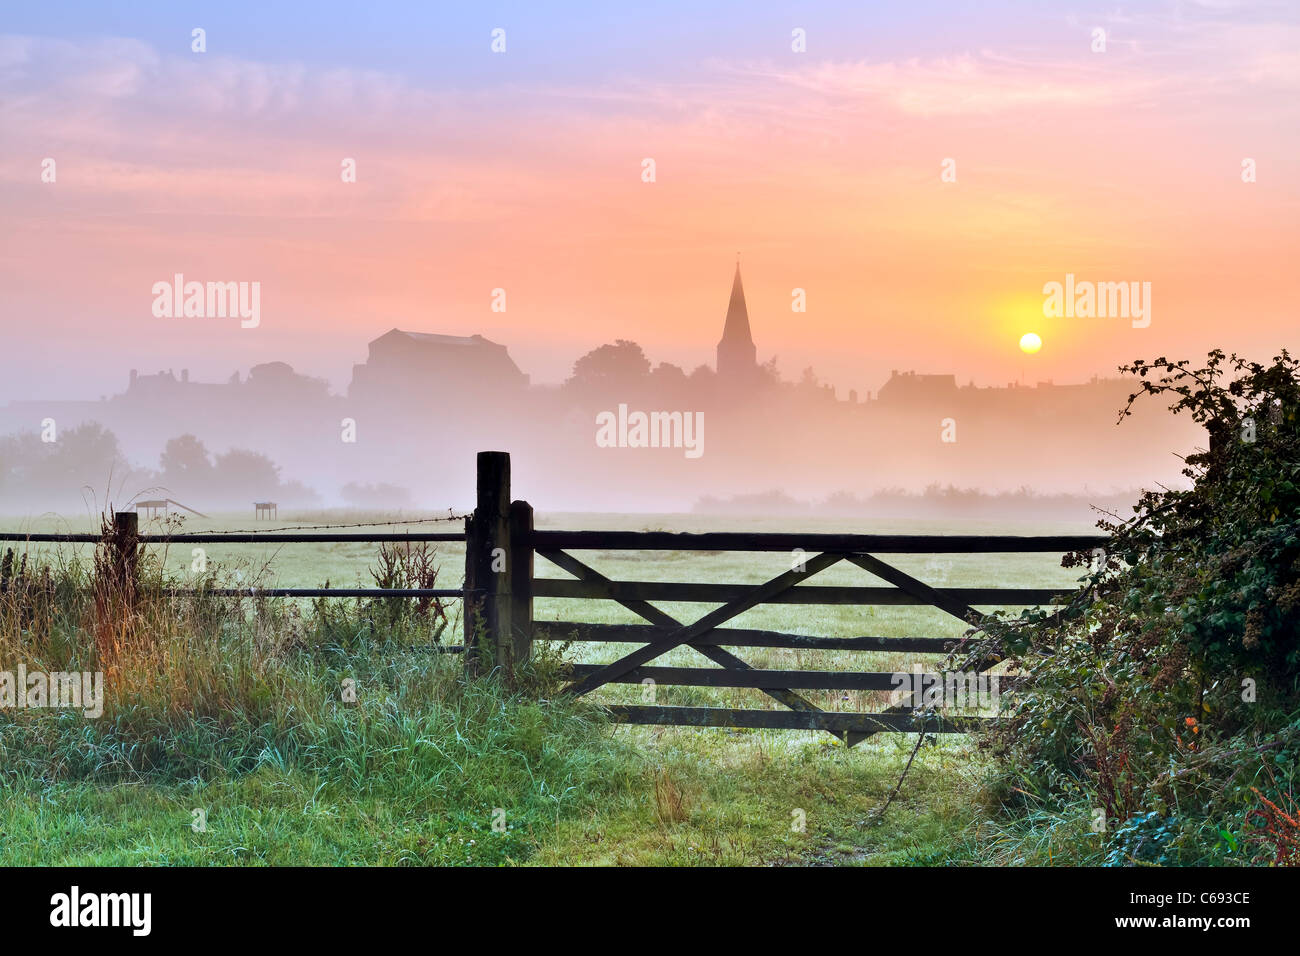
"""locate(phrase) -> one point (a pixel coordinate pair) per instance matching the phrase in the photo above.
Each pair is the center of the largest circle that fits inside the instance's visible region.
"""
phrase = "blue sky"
(575, 41)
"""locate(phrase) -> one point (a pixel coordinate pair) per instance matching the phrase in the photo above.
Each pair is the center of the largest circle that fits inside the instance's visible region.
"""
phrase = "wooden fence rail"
(811, 542)
(128, 541)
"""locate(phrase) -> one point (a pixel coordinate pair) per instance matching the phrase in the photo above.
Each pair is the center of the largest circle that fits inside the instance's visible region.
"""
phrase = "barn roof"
(434, 338)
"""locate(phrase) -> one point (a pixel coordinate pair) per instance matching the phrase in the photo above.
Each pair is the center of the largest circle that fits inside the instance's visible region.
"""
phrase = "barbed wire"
(327, 527)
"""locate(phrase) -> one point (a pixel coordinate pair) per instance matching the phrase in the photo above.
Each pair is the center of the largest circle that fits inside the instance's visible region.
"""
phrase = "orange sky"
(823, 173)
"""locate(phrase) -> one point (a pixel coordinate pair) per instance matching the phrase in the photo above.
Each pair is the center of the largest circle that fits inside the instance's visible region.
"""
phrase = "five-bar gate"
(501, 585)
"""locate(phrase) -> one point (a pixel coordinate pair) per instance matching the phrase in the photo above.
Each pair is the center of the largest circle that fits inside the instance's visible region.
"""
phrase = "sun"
(1030, 343)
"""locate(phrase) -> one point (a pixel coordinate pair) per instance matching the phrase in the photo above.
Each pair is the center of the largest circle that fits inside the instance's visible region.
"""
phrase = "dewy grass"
(242, 709)
(205, 690)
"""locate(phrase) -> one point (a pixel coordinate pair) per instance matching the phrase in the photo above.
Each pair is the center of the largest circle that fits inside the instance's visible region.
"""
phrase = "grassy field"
(410, 775)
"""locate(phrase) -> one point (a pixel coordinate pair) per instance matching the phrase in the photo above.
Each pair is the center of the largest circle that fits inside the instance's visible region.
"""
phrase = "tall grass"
(357, 694)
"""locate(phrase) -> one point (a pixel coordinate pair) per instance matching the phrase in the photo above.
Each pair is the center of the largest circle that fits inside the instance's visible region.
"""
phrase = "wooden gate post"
(521, 581)
(487, 581)
(126, 554)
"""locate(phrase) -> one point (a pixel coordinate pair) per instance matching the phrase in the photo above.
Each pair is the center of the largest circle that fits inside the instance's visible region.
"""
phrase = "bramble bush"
(1163, 700)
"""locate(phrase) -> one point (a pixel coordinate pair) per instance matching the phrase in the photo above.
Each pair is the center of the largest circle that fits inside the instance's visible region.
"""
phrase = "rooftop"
(434, 338)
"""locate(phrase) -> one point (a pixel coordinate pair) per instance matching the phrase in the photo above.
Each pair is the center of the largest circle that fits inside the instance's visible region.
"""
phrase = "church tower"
(737, 359)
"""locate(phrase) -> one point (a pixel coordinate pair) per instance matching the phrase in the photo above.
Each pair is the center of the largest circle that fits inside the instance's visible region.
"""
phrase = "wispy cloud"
(965, 84)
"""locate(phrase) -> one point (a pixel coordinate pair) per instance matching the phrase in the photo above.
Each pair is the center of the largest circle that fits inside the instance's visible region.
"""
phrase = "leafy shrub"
(1166, 692)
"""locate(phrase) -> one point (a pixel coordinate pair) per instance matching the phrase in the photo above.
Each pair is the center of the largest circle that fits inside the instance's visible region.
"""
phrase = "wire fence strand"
(329, 527)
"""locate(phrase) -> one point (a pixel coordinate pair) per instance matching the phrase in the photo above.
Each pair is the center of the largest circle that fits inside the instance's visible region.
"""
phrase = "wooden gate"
(501, 586)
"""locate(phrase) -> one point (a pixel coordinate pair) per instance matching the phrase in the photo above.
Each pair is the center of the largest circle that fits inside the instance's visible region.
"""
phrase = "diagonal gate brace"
(905, 582)
(932, 596)
(657, 617)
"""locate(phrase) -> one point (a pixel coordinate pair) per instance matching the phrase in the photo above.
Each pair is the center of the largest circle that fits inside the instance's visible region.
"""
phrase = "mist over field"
(620, 434)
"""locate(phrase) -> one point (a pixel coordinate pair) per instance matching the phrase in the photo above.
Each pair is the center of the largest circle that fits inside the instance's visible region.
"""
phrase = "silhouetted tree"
(185, 464)
(86, 456)
(240, 471)
(669, 383)
(669, 374)
(622, 363)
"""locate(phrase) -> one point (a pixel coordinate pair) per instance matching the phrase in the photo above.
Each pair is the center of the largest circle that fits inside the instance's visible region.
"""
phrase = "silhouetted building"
(415, 363)
(268, 383)
(909, 388)
(278, 381)
(737, 357)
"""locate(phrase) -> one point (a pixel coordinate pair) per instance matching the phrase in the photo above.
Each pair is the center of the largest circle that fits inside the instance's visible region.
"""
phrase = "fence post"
(521, 580)
(126, 554)
(470, 611)
(487, 583)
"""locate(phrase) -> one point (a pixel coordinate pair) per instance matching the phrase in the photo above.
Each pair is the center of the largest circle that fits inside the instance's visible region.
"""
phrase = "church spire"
(736, 352)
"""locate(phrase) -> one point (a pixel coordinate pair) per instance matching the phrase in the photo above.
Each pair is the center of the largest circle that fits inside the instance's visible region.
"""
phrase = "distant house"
(909, 388)
(268, 382)
(415, 363)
